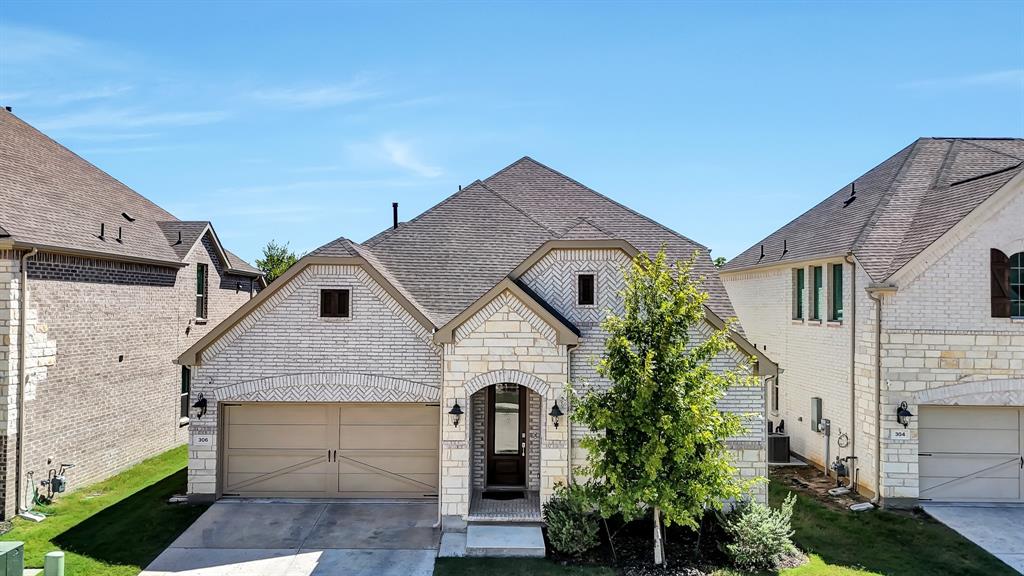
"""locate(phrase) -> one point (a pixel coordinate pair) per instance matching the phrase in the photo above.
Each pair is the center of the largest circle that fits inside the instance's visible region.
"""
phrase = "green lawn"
(838, 543)
(114, 527)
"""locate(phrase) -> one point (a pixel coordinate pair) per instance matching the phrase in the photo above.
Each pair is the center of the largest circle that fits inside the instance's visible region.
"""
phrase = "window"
(819, 292)
(800, 285)
(775, 394)
(836, 310)
(585, 290)
(201, 287)
(186, 389)
(1017, 285)
(1007, 284)
(334, 303)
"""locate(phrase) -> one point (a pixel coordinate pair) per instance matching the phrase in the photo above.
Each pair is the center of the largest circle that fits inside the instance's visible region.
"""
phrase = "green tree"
(277, 259)
(663, 450)
(720, 261)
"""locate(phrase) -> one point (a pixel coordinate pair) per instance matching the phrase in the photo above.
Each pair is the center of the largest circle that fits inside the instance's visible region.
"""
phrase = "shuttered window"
(800, 286)
(819, 292)
(335, 303)
(836, 310)
(999, 267)
(201, 290)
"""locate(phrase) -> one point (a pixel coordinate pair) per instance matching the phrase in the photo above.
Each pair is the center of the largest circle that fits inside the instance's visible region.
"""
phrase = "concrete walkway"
(236, 538)
(999, 529)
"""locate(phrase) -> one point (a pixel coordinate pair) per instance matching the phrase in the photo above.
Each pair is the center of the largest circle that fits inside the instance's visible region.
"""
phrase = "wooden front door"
(506, 435)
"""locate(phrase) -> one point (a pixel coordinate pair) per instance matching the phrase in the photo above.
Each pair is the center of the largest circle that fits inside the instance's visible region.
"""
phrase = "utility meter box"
(12, 558)
(816, 414)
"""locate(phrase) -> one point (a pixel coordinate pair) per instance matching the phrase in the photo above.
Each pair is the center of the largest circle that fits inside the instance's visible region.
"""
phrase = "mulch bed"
(633, 551)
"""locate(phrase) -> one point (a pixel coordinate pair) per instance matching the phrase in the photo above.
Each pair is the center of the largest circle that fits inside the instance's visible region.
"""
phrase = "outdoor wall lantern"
(455, 414)
(200, 407)
(556, 415)
(903, 415)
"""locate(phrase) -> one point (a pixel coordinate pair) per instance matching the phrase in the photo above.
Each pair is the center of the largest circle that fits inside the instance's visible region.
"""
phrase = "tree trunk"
(659, 546)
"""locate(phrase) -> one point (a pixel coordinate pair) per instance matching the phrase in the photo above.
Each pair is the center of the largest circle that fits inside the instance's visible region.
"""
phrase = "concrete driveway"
(999, 529)
(263, 538)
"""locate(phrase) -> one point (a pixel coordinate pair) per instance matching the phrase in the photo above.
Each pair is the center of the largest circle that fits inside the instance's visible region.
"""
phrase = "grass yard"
(838, 543)
(115, 527)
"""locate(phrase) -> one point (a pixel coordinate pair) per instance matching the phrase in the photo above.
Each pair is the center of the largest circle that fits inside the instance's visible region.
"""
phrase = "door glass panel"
(506, 419)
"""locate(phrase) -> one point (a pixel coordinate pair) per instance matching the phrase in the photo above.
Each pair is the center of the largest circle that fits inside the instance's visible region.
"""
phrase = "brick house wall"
(102, 336)
(553, 278)
(937, 339)
(285, 351)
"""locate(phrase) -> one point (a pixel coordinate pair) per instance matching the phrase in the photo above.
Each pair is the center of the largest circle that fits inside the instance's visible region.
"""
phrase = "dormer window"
(586, 287)
(335, 303)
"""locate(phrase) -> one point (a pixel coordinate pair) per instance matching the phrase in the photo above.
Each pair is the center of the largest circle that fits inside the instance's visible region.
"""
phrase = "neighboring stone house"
(931, 241)
(345, 376)
(116, 289)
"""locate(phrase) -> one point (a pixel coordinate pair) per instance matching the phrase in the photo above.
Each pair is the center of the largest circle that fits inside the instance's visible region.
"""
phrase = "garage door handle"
(1022, 462)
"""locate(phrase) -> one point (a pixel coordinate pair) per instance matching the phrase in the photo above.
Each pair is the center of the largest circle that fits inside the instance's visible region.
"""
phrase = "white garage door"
(970, 453)
(330, 450)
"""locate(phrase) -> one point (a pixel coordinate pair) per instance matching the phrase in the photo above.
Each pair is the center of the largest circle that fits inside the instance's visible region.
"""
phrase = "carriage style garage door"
(330, 450)
(971, 453)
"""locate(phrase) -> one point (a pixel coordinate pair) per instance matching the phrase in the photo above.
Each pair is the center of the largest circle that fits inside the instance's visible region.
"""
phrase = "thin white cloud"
(128, 118)
(318, 97)
(996, 78)
(401, 154)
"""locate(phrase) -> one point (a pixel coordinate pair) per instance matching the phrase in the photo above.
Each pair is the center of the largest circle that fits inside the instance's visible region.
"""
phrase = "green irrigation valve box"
(12, 558)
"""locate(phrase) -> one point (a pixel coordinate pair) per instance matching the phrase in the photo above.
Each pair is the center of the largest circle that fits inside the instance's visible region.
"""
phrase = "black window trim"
(593, 289)
(347, 308)
(185, 396)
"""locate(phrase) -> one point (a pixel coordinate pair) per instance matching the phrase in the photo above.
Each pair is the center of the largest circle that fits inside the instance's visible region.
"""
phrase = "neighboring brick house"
(114, 295)
(932, 240)
(341, 378)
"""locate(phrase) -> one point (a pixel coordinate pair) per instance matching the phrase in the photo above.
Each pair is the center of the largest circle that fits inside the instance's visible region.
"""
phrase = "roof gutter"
(794, 262)
(22, 378)
(101, 255)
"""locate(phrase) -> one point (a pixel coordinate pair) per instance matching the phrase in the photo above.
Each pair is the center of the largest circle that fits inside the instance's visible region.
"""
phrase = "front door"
(506, 435)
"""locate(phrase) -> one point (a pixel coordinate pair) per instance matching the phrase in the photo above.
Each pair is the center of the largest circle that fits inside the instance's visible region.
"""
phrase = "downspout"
(854, 472)
(568, 418)
(440, 441)
(22, 377)
(878, 398)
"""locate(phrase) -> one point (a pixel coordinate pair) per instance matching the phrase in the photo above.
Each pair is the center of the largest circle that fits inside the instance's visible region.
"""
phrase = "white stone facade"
(939, 344)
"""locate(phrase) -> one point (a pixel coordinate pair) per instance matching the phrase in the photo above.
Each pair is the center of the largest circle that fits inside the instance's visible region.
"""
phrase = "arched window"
(1017, 285)
(1007, 284)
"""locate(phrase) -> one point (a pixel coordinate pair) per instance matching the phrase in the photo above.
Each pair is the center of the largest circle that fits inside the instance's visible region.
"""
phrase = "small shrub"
(572, 521)
(760, 535)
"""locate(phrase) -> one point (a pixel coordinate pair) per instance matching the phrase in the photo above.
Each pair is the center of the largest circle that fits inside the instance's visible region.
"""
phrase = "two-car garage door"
(971, 453)
(330, 450)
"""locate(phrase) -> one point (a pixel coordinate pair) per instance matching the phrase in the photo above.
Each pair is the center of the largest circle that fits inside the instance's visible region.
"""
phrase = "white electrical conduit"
(22, 378)
(853, 369)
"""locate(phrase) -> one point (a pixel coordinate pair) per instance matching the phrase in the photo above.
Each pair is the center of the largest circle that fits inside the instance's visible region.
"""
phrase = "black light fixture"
(455, 414)
(556, 415)
(200, 407)
(903, 415)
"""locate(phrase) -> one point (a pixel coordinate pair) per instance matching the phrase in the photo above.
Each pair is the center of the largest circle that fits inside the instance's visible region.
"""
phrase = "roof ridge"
(887, 196)
(603, 197)
(385, 233)
(518, 209)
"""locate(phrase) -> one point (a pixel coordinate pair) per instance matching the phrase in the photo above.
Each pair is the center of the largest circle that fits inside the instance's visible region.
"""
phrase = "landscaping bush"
(760, 535)
(572, 520)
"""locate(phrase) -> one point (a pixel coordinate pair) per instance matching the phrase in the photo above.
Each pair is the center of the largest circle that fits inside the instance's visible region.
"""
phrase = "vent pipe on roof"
(762, 252)
(179, 239)
(394, 214)
(127, 217)
(102, 230)
(853, 194)
(8, 108)
(785, 246)
(118, 234)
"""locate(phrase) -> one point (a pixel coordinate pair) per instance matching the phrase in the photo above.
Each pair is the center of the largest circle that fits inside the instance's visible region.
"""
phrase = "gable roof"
(452, 254)
(898, 208)
(53, 199)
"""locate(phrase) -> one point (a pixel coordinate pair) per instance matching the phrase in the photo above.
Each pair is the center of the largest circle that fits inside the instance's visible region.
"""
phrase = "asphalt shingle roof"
(449, 256)
(899, 207)
(49, 196)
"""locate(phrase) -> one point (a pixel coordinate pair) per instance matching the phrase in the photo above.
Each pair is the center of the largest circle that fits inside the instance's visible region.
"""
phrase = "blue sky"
(303, 122)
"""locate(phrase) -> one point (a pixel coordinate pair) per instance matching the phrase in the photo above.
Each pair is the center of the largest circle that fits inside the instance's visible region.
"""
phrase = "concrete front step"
(504, 541)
